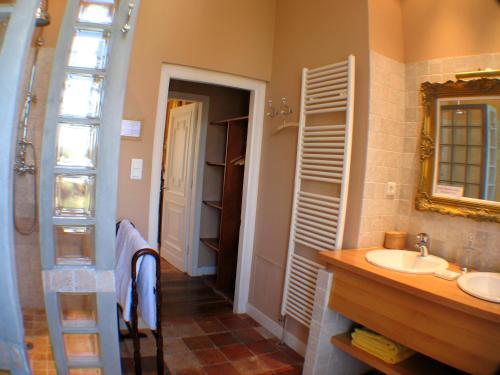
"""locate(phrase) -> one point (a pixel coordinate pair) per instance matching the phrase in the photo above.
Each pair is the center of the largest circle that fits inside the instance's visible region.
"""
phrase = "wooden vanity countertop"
(430, 287)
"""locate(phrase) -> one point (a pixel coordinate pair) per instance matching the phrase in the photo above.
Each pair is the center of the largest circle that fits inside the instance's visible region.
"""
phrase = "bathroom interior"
(296, 233)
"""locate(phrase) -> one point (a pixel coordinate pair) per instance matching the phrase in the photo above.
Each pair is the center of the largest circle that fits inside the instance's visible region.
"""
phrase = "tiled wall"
(448, 234)
(386, 142)
(393, 156)
(27, 246)
(321, 356)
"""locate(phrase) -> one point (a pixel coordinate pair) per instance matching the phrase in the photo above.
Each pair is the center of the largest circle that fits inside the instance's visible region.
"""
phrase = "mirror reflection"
(467, 148)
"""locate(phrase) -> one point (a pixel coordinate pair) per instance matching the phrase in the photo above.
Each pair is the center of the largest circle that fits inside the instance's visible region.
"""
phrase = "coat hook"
(285, 108)
(272, 112)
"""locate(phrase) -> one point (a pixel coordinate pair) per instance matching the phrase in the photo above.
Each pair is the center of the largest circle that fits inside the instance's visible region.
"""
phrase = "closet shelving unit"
(229, 204)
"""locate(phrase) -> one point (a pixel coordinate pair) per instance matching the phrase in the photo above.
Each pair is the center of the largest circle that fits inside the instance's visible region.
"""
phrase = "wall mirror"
(460, 149)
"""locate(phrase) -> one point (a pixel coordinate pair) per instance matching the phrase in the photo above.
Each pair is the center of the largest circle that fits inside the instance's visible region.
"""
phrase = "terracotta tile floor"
(201, 336)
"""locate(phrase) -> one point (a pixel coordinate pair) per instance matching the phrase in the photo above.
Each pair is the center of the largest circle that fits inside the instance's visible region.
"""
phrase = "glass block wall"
(78, 183)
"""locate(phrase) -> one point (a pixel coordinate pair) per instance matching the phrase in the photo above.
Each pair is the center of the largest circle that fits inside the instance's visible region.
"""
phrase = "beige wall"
(446, 28)
(386, 28)
(306, 36)
(224, 35)
(417, 30)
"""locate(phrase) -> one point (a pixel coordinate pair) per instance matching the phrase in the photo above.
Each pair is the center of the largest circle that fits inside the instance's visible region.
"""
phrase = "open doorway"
(255, 110)
(203, 166)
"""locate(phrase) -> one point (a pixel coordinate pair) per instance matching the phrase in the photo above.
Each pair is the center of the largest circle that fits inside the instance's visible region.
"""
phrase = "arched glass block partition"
(79, 182)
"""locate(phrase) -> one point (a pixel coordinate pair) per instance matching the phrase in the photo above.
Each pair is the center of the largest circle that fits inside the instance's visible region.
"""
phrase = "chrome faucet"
(422, 244)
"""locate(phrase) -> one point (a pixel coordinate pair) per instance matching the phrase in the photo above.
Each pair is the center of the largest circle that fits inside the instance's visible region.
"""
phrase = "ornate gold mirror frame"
(425, 200)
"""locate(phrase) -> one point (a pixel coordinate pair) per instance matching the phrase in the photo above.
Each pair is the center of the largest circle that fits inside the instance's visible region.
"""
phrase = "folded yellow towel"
(380, 347)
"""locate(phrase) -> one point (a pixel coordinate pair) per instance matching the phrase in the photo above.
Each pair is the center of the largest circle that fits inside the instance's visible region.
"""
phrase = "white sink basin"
(406, 261)
(484, 285)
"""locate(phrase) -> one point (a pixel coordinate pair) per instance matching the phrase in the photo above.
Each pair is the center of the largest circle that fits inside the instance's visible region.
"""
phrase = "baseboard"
(276, 329)
(209, 270)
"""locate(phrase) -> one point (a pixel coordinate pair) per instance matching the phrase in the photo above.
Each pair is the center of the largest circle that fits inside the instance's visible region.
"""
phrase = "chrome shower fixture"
(42, 17)
(23, 165)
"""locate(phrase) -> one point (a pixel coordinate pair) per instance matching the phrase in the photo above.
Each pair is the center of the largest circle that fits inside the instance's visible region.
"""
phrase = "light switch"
(136, 169)
(390, 190)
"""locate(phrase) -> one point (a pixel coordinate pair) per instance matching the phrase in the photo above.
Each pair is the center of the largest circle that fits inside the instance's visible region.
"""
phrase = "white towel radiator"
(323, 157)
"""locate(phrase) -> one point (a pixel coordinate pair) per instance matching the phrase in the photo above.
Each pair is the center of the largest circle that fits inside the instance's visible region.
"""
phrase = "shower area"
(26, 188)
(62, 213)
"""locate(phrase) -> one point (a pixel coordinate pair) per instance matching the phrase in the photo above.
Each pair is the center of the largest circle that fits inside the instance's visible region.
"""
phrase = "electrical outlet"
(390, 190)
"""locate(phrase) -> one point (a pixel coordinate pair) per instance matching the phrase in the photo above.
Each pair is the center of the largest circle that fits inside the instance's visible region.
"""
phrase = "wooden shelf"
(212, 243)
(214, 164)
(417, 364)
(214, 204)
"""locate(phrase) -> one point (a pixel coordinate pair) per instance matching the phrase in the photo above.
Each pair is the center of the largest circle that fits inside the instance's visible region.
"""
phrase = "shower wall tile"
(386, 142)
(27, 246)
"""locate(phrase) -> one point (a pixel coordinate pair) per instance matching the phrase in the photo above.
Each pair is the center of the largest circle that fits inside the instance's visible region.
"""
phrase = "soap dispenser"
(466, 256)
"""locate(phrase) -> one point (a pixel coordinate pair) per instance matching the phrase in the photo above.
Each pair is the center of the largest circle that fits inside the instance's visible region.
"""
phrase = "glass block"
(459, 136)
(81, 345)
(78, 309)
(74, 195)
(89, 49)
(492, 158)
(85, 371)
(75, 244)
(474, 155)
(81, 96)
(492, 176)
(473, 174)
(459, 154)
(460, 117)
(476, 117)
(475, 136)
(472, 191)
(458, 173)
(444, 172)
(97, 11)
(445, 153)
(446, 135)
(446, 116)
(76, 145)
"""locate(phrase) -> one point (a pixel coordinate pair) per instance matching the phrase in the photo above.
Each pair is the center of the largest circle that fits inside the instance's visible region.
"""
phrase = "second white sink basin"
(484, 285)
(406, 261)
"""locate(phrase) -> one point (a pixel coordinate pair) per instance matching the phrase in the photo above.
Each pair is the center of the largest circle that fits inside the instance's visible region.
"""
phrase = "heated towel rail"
(323, 157)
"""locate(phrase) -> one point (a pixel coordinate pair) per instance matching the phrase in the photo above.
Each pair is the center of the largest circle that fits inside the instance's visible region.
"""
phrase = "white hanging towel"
(128, 242)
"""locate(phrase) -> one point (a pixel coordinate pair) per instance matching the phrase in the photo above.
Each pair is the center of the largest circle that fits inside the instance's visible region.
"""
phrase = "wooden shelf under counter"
(415, 365)
(429, 315)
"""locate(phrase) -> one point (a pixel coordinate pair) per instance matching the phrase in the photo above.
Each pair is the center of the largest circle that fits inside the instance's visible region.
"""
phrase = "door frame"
(252, 166)
(190, 262)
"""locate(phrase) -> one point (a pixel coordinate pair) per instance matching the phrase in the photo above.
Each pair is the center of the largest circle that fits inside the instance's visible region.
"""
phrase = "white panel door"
(178, 167)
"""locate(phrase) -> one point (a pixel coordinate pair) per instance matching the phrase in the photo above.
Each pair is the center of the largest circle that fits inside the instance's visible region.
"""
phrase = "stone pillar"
(321, 356)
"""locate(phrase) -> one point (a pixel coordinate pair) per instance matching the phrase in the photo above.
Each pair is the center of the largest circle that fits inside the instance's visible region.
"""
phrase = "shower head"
(42, 17)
